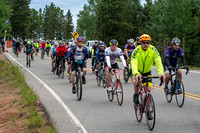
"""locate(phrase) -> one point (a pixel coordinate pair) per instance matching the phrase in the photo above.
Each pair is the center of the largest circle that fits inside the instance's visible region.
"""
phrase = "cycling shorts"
(144, 81)
(114, 66)
(75, 68)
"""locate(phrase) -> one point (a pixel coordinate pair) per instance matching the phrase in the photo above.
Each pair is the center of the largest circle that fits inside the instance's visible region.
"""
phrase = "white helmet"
(56, 43)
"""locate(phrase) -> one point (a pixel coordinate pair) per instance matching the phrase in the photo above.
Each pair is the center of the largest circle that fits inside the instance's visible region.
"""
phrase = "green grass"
(13, 76)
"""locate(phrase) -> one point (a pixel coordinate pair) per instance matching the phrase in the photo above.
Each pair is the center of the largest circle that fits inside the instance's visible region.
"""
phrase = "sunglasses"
(113, 45)
(145, 42)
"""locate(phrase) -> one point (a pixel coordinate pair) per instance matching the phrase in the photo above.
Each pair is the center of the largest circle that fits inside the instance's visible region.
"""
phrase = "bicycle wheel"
(169, 94)
(138, 110)
(99, 79)
(126, 76)
(150, 123)
(17, 52)
(104, 79)
(119, 93)
(29, 61)
(180, 96)
(78, 86)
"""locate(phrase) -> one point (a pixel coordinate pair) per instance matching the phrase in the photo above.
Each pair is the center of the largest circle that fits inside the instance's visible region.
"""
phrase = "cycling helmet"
(61, 42)
(145, 37)
(28, 42)
(138, 38)
(18, 40)
(101, 44)
(96, 41)
(113, 42)
(131, 41)
(79, 39)
(176, 41)
(55, 43)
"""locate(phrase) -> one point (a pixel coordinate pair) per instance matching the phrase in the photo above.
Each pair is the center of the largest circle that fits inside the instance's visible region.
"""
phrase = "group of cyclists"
(141, 54)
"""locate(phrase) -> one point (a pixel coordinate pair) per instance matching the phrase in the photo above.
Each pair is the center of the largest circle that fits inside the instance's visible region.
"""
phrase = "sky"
(74, 5)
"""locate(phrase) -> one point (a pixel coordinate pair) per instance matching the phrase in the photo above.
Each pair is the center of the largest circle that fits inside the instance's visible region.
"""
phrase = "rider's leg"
(167, 77)
(73, 77)
(108, 77)
(179, 74)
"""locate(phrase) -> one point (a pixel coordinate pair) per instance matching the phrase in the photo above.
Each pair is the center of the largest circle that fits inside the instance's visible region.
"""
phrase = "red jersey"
(61, 50)
(43, 44)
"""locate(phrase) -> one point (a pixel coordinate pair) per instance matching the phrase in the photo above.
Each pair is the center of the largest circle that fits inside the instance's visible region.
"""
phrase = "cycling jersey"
(54, 49)
(43, 45)
(77, 53)
(142, 61)
(94, 48)
(36, 44)
(17, 45)
(29, 47)
(100, 55)
(129, 49)
(173, 55)
(48, 45)
(61, 51)
(111, 56)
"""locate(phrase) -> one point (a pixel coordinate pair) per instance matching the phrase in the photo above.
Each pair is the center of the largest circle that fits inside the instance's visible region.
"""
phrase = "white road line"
(80, 127)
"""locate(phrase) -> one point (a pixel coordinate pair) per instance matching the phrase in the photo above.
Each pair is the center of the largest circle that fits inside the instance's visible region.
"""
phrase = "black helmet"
(113, 42)
(176, 41)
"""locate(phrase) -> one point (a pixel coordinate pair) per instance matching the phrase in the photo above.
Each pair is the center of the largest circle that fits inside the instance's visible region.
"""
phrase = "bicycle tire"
(17, 52)
(104, 79)
(63, 70)
(29, 61)
(169, 95)
(98, 80)
(126, 76)
(150, 123)
(78, 86)
(119, 92)
(180, 98)
(139, 109)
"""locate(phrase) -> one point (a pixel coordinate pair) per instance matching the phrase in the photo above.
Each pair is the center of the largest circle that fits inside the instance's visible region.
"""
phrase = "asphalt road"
(98, 115)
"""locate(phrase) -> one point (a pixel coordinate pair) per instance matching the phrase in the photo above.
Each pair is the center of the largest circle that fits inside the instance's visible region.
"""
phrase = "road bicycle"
(176, 87)
(42, 53)
(116, 86)
(128, 73)
(79, 82)
(61, 68)
(145, 101)
(101, 75)
(29, 59)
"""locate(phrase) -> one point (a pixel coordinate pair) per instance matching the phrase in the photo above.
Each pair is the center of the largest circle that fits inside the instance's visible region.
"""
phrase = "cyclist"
(36, 46)
(171, 58)
(111, 55)
(79, 55)
(137, 42)
(43, 47)
(128, 49)
(100, 55)
(142, 60)
(48, 47)
(53, 55)
(61, 54)
(28, 49)
(17, 46)
(68, 59)
(94, 48)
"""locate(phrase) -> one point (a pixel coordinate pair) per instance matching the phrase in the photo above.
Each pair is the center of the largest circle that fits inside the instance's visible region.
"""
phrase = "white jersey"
(111, 56)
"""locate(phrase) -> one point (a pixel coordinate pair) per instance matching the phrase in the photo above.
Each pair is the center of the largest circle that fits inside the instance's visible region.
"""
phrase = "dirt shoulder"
(20, 110)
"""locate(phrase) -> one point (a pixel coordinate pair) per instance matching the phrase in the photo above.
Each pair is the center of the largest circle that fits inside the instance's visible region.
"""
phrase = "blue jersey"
(53, 49)
(173, 55)
(100, 55)
(129, 49)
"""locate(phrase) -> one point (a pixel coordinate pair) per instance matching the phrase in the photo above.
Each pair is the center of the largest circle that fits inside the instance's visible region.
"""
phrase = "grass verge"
(36, 120)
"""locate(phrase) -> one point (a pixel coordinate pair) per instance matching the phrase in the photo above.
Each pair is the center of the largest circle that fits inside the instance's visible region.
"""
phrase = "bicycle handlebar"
(146, 77)
(178, 67)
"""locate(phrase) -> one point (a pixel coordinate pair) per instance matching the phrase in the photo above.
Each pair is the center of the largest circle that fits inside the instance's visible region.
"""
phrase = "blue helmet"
(101, 44)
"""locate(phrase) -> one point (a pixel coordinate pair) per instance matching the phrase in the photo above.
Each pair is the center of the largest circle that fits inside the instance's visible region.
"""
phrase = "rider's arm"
(183, 60)
(86, 53)
(97, 55)
(134, 62)
(123, 60)
(93, 50)
(158, 62)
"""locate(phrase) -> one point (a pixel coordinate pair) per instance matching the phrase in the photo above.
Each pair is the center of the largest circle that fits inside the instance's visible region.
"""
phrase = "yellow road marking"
(155, 86)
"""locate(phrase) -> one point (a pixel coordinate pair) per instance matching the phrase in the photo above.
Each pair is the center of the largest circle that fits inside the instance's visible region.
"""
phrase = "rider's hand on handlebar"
(109, 69)
(138, 78)
(169, 68)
